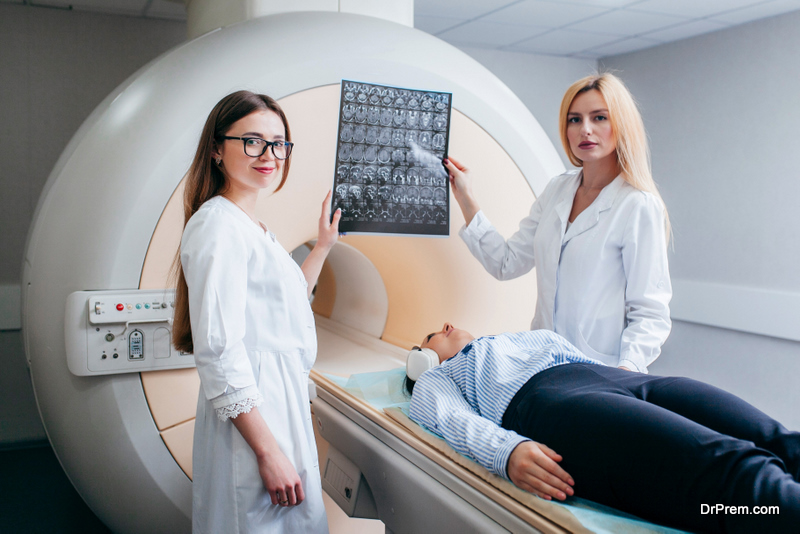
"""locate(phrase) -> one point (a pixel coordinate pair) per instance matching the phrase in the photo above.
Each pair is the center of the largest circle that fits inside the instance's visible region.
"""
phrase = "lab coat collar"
(591, 215)
(229, 206)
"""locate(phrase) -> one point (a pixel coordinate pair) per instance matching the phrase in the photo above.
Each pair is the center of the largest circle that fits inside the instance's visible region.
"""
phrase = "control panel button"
(120, 307)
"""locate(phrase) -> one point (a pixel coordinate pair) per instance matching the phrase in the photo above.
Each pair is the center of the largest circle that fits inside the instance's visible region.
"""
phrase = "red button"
(120, 307)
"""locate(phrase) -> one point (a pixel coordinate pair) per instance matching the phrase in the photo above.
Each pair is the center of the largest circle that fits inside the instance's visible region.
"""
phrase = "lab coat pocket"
(587, 350)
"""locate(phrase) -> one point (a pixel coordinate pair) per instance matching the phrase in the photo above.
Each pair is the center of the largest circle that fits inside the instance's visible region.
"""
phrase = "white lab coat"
(603, 283)
(254, 339)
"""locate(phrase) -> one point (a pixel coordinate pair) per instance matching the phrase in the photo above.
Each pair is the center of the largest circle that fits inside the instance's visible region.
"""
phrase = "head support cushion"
(420, 360)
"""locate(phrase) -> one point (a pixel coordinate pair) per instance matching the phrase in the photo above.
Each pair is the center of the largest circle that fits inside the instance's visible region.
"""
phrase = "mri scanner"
(108, 225)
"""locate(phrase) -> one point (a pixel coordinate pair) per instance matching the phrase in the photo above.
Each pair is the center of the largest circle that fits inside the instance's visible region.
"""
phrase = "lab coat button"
(661, 285)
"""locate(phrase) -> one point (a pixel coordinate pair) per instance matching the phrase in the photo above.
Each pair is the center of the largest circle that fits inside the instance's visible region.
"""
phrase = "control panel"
(128, 331)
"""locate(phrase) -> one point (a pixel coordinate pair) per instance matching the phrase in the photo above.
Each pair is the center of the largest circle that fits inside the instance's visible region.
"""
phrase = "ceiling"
(568, 28)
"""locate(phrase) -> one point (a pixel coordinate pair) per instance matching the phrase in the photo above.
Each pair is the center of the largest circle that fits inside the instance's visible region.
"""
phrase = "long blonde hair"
(207, 179)
(633, 152)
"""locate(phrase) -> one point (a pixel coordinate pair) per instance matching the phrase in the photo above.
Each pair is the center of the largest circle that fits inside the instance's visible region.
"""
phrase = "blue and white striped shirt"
(463, 399)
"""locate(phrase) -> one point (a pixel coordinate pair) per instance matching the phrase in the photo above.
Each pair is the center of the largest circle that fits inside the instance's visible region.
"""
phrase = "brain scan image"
(399, 118)
(359, 133)
(361, 113)
(355, 173)
(375, 96)
(439, 196)
(412, 138)
(386, 117)
(348, 112)
(413, 176)
(425, 176)
(426, 196)
(344, 151)
(357, 154)
(373, 115)
(398, 194)
(399, 175)
(425, 140)
(347, 133)
(388, 175)
(412, 118)
(350, 90)
(425, 120)
(442, 101)
(371, 154)
(437, 143)
(398, 156)
(370, 193)
(399, 138)
(389, 94)
(412, 195)
(370, 174)
(385, 137)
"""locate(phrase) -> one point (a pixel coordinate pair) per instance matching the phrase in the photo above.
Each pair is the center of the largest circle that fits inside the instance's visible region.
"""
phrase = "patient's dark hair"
(409, 385)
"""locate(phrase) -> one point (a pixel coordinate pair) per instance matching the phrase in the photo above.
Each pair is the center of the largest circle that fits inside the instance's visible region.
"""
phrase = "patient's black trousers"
(662, 448)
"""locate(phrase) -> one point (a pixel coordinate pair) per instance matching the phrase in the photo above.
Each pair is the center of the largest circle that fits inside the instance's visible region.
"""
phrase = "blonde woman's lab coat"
(603, 283)
(254, 344)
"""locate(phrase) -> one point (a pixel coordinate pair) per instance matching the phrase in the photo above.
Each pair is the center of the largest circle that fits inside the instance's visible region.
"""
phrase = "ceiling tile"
(167, 9)
(627, 23)
(434, 25)
(760, 11)
(626, 45)
(541, 13)
(563, 42)
(692, 8)
(483, 32)
(459, 9)
(684, 31)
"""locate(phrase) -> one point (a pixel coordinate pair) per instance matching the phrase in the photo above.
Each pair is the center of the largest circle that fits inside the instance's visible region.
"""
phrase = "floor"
(37, 497)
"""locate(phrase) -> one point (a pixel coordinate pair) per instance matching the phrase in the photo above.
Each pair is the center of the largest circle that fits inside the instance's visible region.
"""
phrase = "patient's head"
(435, 349)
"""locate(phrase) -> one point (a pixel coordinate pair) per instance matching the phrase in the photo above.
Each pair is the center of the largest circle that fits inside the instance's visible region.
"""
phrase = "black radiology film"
(389, 177)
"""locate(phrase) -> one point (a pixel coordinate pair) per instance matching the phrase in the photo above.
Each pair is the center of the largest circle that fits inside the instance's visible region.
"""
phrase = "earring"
(218, 160)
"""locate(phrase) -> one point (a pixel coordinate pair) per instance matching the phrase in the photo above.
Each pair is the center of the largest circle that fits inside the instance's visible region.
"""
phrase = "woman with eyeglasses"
(597, 236)
(242, 309)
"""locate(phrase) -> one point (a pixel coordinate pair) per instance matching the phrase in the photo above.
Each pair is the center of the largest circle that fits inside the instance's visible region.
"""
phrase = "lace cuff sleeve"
(230, 405)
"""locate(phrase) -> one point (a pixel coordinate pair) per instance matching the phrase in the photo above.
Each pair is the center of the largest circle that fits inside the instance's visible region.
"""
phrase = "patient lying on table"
(667, 449)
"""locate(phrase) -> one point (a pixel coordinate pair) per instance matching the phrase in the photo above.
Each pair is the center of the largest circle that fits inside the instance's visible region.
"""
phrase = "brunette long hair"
(206, 179)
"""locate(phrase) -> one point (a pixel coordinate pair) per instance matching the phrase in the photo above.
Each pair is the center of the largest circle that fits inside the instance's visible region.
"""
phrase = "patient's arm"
(438, 405)
(533, 467)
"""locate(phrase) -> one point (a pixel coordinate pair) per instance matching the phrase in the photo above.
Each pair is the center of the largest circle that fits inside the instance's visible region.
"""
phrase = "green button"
(138, 306)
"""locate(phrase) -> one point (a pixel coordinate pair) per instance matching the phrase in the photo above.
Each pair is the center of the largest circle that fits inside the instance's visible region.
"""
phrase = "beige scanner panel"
(428, 280)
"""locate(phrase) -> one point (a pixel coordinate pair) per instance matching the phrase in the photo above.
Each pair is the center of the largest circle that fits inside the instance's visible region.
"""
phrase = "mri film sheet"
(389, 176)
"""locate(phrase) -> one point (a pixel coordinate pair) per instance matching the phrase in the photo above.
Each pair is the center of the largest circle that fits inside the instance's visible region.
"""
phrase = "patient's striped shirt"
(463, 399)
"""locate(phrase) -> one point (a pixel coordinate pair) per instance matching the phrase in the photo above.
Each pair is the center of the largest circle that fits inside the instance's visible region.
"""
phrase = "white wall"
(539, 81)
(56, 66)
(722, 111)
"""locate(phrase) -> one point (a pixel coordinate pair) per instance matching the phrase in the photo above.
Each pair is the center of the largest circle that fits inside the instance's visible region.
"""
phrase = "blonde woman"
(597, 236)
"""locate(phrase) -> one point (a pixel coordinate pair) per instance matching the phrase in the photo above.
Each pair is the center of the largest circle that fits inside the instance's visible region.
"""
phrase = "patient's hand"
(534, 468)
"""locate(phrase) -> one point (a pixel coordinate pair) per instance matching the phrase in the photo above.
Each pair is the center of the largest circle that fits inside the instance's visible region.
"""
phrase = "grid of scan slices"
(389, 173)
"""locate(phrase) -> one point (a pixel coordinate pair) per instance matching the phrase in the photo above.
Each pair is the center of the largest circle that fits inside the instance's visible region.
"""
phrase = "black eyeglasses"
(255, 147)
